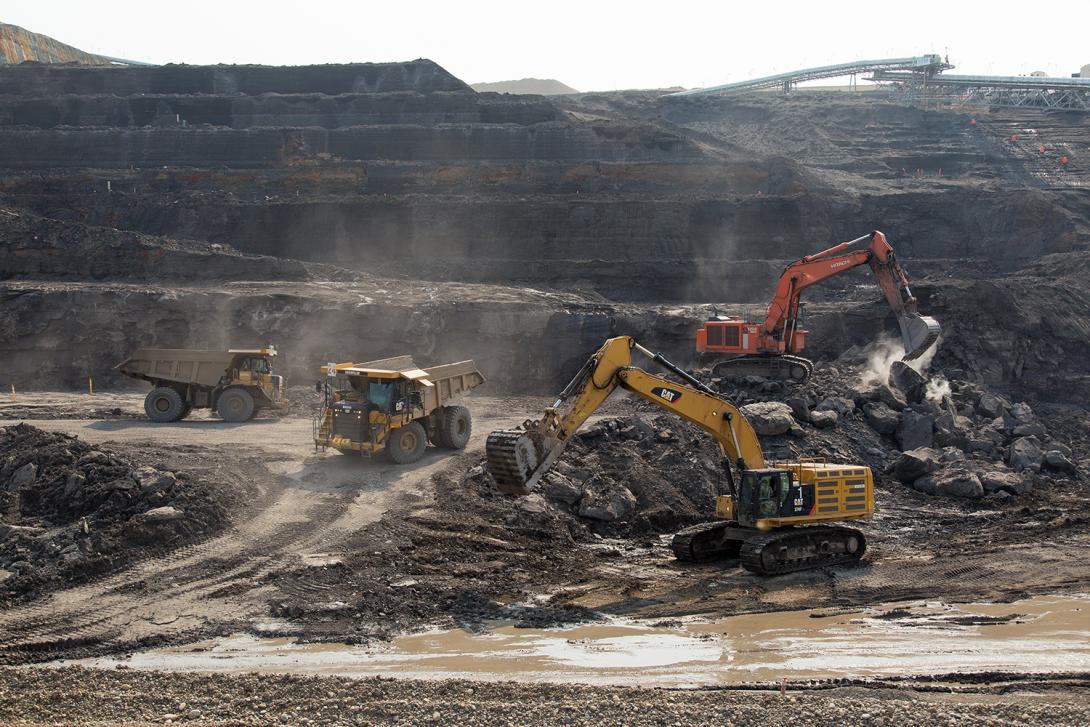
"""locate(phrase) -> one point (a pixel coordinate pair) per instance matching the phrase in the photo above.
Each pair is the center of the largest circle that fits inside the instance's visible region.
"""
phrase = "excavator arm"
(917, 332)
(518, 459)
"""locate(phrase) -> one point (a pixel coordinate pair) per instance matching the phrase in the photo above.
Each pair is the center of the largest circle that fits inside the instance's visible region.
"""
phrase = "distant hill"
(18, 45)
(540, 86)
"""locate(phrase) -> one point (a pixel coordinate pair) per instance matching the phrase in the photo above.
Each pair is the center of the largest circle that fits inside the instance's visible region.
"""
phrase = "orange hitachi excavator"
(770, 348)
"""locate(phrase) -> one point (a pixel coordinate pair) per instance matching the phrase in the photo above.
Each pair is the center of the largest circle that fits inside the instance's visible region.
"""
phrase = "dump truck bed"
(450, 381)
(439, 384)
(187, 366)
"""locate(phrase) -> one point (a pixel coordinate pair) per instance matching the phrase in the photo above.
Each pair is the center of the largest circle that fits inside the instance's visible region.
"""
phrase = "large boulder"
(606, 502)
(769, 417)
(1054, 459)
(533, 504)
(952, 430)
(915, 430)
(557, 487)
(958, 482)
(800, 407)
(1022, 413)
(991, 406)
(996, 480)
(23, 477)
(889, 396)
(985, 439)
(152, 480)
(916, 463)
(840, 404)
(881, 417)
(823, 418)
(1030, 429)
(1025, 454)
(910, 381)
(163, 514)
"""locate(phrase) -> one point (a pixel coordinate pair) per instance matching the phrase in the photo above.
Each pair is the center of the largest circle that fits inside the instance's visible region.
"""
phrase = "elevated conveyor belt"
(926, 64)
(1018, 91)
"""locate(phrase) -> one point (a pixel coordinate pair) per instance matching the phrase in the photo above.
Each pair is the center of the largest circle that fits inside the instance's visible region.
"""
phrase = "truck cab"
(254, 368)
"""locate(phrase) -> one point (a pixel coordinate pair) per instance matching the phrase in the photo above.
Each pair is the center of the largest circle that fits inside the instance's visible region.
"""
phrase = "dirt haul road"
(307, 507)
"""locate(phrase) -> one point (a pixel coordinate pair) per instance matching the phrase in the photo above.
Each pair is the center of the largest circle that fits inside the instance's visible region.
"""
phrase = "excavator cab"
(765, 494)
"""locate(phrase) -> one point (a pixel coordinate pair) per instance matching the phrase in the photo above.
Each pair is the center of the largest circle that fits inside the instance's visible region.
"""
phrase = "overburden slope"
(349, 209)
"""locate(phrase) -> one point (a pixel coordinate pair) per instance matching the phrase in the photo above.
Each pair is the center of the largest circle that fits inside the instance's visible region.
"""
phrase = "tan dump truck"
(392, 406)
(236, 383)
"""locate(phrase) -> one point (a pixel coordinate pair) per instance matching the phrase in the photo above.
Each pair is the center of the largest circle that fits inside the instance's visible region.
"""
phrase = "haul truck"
(392, 406)
(236, 383)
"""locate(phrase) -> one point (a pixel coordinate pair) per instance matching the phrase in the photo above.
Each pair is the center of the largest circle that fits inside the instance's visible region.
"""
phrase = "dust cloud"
(880, 355)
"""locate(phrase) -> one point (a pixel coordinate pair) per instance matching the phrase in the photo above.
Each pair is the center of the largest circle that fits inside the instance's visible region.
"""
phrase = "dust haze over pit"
(597, 46)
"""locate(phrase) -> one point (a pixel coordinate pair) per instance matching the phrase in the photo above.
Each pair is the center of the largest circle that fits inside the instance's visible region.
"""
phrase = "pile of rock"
(951, 438)
(631, 475)
(70, 510)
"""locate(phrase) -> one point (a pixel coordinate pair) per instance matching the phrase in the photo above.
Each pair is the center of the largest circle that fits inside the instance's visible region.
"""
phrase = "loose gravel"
(83, 696)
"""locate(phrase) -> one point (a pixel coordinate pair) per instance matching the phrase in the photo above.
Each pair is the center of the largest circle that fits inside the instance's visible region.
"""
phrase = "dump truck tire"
(455, 427)
(236, 405)
(164, 404)
(406, 444)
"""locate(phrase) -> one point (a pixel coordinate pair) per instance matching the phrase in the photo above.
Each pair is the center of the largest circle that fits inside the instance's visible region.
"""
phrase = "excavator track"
(795, 549)
(705, 541)
(783, 367)
(511, 460)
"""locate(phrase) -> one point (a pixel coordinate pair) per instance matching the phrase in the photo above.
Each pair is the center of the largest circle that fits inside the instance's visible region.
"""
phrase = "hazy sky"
(588, 45)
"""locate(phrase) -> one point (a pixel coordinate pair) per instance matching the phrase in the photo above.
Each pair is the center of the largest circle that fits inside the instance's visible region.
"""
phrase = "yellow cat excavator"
(775, 518)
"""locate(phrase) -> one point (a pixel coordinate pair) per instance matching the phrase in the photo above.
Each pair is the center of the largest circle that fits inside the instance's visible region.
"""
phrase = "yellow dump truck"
(392, 406)
(236, 383)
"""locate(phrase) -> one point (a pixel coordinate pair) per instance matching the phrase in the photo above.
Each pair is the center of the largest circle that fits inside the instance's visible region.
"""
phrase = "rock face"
(18, 45)
(769, 418)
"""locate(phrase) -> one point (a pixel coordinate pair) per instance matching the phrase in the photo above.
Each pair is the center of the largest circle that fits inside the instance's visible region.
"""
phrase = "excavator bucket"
(918, 333)
(513, 461)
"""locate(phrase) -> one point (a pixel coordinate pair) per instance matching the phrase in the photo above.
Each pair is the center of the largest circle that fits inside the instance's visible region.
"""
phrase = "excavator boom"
(518, 459)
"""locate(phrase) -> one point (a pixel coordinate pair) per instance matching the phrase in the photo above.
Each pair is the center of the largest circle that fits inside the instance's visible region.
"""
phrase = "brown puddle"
(1043, 634)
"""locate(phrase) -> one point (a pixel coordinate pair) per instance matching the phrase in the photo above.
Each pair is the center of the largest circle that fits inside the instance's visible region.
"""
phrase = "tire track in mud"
(215, 585)
(170, 596)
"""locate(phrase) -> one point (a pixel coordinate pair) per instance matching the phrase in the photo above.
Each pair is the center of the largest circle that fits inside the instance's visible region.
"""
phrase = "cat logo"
(668, 394)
